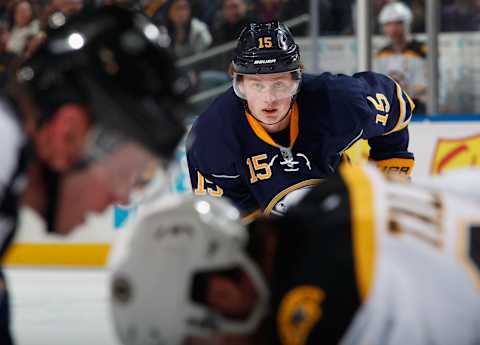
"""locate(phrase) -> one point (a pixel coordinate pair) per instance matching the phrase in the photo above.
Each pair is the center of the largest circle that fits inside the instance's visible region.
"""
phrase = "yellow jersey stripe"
(58, 254)
(401, 123)
(250, 217)
(363, 225)
(294, 124)
(389, 53)
(412, 104)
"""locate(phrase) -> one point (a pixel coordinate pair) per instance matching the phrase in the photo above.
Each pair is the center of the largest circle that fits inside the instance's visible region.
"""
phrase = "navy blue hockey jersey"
(232, 155)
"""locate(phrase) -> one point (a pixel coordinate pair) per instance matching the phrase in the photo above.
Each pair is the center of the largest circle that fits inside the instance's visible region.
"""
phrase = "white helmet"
(151, 285)
(395, 11)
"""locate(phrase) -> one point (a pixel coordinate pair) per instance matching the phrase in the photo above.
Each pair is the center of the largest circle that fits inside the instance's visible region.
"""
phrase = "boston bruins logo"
(298, 313)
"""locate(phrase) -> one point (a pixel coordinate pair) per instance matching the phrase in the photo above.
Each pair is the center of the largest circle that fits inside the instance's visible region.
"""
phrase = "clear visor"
(275, 86)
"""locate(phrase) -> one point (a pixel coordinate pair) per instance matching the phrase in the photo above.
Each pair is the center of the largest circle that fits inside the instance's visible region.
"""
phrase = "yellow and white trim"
(92, 255)
(361, 195)
(403, 118)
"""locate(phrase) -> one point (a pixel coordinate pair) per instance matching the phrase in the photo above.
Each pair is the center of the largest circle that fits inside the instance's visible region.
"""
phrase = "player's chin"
(270, 118)
(70, 216)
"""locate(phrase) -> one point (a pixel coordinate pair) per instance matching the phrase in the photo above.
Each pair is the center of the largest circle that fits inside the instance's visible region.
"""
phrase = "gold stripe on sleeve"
(250, 217)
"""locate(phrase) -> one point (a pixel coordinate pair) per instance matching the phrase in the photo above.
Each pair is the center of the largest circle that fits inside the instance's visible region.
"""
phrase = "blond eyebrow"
(259, 78)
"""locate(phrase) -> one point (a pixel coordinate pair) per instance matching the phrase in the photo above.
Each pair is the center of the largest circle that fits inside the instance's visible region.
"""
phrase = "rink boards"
(440, 144)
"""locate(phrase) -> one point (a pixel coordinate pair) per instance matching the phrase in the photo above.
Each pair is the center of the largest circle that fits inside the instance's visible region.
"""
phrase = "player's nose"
(269, 97)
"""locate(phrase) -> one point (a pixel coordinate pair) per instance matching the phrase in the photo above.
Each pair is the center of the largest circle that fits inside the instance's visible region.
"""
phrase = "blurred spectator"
(418, 11)
(461, 15)
(268, 10)
(205, 10)
(295, 8)
(3, 11)
(24, 26)
(377, 7)
(5, 57)
(134, 5)
(189, 35)
(34, 43)
(67, 7)
(234, 16)
(403, 58)
(335, 16)
(155, 9)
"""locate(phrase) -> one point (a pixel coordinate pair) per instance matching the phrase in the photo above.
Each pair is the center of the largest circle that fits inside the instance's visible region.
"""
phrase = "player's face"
(395, 30)
(232, 298)
(269, 97)
(179, 12)
(103, 183)
(96, 168)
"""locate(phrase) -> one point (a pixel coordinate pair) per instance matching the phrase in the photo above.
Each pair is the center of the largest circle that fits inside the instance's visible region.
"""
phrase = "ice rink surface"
(60, 307)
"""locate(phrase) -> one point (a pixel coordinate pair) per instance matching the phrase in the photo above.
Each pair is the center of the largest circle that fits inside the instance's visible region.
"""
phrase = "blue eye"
(258, 86)
(279, 86)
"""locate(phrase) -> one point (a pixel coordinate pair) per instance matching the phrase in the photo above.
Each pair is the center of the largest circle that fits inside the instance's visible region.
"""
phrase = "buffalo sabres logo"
(291, 162)
(289, 197)
(292, 198)
(299, 312)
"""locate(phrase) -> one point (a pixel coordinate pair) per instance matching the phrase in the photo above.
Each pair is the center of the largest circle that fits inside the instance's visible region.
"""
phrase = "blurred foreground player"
(356, 261)
(95, 107)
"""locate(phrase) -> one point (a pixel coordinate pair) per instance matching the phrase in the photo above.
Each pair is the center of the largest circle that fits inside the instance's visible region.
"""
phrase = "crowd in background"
(197, 25)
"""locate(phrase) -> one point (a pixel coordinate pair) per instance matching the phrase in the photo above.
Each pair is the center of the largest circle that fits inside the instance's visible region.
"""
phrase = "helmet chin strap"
(281, 119)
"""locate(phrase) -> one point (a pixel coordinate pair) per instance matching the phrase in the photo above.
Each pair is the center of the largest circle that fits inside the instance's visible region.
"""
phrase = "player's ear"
(302, 68)
(231, 70)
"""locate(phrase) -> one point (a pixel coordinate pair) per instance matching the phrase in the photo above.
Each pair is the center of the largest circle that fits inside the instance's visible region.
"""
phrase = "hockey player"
(368, 262)
(278, 130)
(403, 58)
(97, 105)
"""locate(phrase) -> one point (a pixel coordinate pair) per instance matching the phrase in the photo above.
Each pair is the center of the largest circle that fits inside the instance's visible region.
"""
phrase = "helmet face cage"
(175, 239)
(266, 48)
(276, 86)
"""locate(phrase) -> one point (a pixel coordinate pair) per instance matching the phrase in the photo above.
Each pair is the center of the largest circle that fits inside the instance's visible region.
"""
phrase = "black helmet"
(266, 48)
(113, 61)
